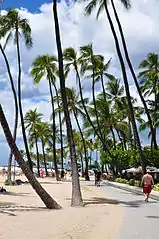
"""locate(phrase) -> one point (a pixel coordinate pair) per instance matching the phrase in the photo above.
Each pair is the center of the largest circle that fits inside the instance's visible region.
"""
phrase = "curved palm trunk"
(88, 117)
(54, 133)
(45, 197)
(20, 102)
(76, 191)
(37, 153)
(60, 123)
(135, 131)
(44, 156)
(16, 113)
(134, 76)
(84, 146)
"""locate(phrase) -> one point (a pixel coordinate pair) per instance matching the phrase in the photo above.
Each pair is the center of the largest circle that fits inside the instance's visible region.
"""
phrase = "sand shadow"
(99, 200)
(59, 182)
(153, 217)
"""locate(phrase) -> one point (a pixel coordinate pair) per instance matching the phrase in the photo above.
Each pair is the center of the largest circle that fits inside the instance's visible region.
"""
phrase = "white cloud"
(140, 26)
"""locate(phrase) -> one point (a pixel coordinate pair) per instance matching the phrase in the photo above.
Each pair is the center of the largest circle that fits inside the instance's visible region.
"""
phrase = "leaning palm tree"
(45, 197)
(76, 192)
(42, 66)
(104, 5)
(12, 25)
(32, 119)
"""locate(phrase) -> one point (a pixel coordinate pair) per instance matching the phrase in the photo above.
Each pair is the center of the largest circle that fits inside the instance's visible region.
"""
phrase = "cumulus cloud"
(141, 32)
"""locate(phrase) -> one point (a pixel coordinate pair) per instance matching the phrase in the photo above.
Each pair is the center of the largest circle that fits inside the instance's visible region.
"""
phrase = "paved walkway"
(140, 219)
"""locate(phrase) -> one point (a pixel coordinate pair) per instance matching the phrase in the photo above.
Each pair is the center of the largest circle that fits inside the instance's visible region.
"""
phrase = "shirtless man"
(148, 183)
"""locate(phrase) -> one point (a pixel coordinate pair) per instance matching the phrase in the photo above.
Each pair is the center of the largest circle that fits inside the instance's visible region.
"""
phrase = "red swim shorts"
(147, 189)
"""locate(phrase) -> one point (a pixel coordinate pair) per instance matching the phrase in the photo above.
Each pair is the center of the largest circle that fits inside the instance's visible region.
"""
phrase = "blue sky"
(31, 5)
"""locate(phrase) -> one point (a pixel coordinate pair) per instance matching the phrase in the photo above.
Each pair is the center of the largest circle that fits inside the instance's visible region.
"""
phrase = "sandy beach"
(23, 215)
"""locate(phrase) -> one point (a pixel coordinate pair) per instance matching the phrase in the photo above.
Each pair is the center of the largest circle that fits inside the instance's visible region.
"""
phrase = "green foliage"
(121, 180)
(6, 182)
(156, 187)
(124, 159)
(121, 158)
(132, 182)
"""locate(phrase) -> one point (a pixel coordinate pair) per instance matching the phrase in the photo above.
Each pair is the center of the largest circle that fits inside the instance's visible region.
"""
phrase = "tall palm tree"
(70, 56)
(45, 197)
(32, 119)
(127, 6)
(75, 107)
(104, 5)
(44, 136)
(150, 85)
(16, 111)
(60, 125)
(76, 192)
(45, 66)
(89, 62)
(12, 25)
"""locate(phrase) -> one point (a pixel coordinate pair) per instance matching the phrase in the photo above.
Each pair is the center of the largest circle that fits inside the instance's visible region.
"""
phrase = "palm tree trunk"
(76, 191)
(88, 117)
(20, 102)
(84, 146)
(134, 76)
(37, 153)
(122, 145)
(54, 132)
(60, 123)
(114, 140)
(135, 131)
(45, 197)
(82, 168)
(44, 156)
(103, 89)
(94, 102)
(16, 113)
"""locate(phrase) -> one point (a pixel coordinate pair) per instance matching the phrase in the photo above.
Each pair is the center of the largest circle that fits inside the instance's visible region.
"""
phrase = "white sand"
(21, 216)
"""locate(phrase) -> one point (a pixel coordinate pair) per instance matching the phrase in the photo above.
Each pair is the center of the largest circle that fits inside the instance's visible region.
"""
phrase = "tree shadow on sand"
(10, 208)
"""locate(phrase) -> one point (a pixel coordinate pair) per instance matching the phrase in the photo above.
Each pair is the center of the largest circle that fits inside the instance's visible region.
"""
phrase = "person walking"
(147, 183)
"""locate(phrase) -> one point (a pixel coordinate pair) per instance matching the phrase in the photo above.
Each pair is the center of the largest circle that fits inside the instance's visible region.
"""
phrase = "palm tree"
(46, 66)
(70, 57)
(45, 197)
(16, 112)
(44, 136)
(11, 24)
(32, 119)
(127, 6)
(75, 107)
(76, 192)
(89, 62)
(150, 85)
(104, 5)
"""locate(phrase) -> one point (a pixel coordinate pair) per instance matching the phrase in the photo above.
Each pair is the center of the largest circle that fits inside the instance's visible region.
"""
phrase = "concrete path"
(140, 220)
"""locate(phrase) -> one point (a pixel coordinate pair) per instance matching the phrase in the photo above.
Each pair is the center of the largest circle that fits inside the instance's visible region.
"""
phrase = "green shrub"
(6, 182)
(156, 187)
(121, 180)
(132, 182)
